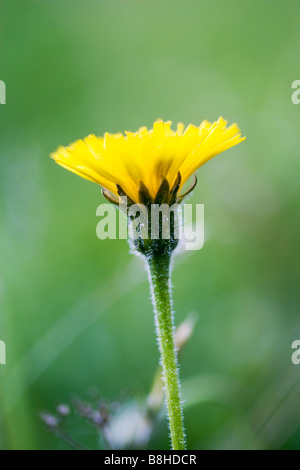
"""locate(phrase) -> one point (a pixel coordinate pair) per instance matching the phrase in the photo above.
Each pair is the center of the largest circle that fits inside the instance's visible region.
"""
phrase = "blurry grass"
(74, 67)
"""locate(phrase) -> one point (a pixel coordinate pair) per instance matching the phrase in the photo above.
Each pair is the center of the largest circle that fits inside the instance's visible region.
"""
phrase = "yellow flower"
(146, 164)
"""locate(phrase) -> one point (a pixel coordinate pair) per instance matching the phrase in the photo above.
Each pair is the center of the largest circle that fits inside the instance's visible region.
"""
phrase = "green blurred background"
(75, 311)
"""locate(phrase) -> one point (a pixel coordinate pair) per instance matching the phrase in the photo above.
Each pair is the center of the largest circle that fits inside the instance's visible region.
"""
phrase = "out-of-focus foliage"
(74, 310)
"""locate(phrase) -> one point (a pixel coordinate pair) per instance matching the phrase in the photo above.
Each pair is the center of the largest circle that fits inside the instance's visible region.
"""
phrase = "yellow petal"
(147, 156)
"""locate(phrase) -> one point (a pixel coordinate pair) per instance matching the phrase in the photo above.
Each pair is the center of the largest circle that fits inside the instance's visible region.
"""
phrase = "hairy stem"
(159, 277)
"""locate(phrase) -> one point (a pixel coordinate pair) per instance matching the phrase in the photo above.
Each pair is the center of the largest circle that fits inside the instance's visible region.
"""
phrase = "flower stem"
(159, 278)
